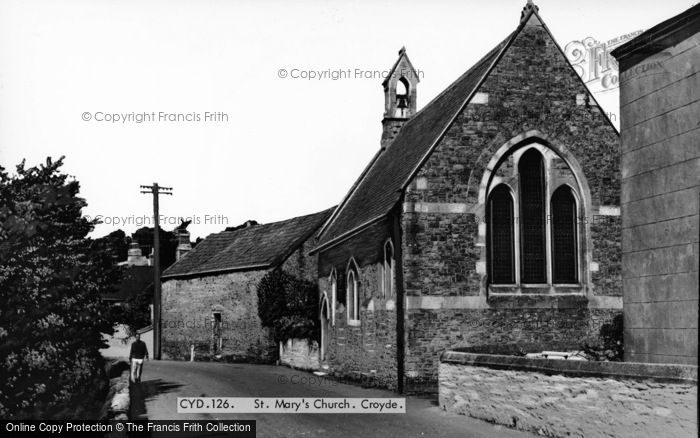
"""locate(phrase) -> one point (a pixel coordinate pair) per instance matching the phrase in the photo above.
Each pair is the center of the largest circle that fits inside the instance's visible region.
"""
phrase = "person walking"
(138, 353)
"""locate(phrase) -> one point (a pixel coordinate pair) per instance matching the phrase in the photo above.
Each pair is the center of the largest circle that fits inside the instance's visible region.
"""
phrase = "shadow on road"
(145, 390)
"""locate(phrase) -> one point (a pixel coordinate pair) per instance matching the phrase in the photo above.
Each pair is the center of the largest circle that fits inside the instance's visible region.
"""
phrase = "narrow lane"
(164, 381)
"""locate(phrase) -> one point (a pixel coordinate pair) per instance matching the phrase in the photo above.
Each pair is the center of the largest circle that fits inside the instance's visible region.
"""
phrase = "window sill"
(533, 286)
(354, 322)
(536, 289)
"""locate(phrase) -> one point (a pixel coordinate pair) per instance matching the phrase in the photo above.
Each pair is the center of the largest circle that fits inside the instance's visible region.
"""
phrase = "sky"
(259, 110)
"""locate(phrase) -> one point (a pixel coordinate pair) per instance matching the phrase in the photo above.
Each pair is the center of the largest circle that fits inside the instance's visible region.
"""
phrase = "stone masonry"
(565, 406)
(188, 307)
(532, 88)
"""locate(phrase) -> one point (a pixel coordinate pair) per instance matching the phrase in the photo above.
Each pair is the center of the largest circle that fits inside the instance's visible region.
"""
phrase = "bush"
(610, 346)
(289, 306)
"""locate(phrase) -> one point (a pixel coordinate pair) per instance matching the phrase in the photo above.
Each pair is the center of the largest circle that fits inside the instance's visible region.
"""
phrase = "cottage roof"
(249, 248)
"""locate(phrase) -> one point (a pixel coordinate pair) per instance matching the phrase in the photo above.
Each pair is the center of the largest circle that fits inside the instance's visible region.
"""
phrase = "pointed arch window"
(564, 248)
(532, 232)
(334, 294)
(388, 270)
(501, 236)
(352, 295)
(532, 218)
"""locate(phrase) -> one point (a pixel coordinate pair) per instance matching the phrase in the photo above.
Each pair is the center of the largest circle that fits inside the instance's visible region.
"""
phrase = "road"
(163, 381)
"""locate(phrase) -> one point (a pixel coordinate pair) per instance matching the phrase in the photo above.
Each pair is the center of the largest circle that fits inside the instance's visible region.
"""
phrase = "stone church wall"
(532, 90)
(364, 353)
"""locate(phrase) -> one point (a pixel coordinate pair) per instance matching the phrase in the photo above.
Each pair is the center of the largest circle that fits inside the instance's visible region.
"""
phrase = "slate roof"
(254, 247)
(380, 187)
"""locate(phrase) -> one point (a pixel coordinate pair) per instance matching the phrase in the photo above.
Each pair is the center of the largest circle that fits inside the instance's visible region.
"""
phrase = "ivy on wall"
(289, 306)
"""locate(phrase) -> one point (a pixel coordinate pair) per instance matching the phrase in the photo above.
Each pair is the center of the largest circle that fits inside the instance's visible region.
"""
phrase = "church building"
(488, 220)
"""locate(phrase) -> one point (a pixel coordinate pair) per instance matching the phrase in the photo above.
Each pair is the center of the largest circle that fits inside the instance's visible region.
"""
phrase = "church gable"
(532, 86)
(530, 95)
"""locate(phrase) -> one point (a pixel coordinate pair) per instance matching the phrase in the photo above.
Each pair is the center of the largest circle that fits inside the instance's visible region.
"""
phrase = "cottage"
(659, 105)
(489, 219)
(209, 296)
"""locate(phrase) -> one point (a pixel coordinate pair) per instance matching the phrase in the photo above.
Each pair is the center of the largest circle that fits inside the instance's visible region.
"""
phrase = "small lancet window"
(353, 295)
(388, 270)
(334, 294)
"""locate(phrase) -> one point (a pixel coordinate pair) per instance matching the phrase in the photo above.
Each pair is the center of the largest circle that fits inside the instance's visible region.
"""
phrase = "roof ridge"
(188, 253)
(254, 247)
(255, 228)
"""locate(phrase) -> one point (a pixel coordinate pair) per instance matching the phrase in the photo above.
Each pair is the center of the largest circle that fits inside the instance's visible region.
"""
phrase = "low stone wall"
(116, 406)
(559, 398)
(561, 323)
(301, 354)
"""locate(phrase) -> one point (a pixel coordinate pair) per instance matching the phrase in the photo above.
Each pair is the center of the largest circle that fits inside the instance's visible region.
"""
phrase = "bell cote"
(400, 88)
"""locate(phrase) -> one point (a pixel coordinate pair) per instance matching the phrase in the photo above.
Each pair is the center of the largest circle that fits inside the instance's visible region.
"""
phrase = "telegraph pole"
(156, 190)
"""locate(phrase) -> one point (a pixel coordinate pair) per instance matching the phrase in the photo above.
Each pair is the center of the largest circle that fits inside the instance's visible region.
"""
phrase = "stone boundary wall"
(564, 326)
(560, 398)
(116, 406)
(300, 354)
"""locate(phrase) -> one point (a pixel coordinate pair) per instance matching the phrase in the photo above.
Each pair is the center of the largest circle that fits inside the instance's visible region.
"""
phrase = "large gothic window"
(564, 236)
(500, 236)
(532, 234)
(532, 218)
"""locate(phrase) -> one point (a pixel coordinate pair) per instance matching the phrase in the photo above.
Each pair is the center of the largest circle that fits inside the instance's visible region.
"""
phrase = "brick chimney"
(183, 243)
(134, 255)
(399, 97)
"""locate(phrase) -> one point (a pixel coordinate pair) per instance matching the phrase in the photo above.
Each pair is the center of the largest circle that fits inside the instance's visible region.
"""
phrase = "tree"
(117, 243)
(51, 279)
(609, 346)
(168, 244)
(136, 312)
